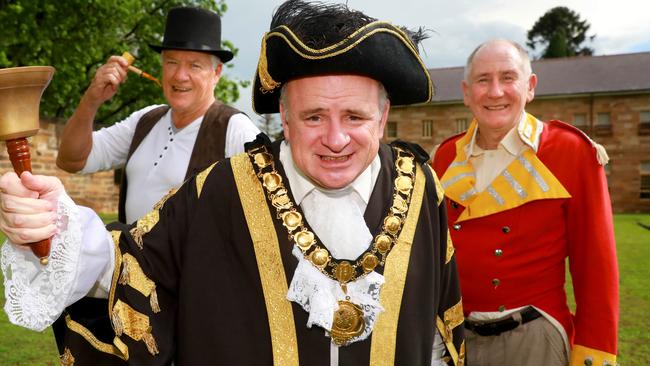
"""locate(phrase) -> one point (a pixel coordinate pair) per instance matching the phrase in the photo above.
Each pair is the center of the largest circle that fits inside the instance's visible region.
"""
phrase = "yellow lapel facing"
(459, 179)
(525, 180)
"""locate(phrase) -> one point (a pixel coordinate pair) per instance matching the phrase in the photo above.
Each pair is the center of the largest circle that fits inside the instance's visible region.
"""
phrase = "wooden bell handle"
(18, 150)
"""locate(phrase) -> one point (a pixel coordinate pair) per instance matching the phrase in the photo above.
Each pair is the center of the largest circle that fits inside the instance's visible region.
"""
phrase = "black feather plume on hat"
(320, 24)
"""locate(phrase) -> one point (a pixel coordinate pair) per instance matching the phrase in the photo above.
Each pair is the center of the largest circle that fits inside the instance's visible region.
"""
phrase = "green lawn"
(22, 347)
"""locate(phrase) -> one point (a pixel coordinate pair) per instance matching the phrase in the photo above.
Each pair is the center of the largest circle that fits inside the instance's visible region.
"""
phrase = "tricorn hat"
(309, 39)
(193, 29)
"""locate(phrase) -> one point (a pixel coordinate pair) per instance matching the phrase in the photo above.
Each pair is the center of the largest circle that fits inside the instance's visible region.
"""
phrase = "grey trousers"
(536, 343)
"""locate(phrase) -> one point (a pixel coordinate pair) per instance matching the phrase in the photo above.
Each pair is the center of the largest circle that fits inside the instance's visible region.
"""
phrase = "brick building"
(97, 191)
(607, 97)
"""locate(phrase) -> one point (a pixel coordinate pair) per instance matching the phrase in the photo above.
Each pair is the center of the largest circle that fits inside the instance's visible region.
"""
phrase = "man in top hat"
(159, 146)
(326, 248)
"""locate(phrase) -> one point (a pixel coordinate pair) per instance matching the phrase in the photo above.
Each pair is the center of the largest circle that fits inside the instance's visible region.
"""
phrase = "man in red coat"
(522, 196)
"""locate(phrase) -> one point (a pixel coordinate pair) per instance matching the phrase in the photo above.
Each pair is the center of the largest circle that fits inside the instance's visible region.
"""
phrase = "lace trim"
(319, 295)
(36, 295)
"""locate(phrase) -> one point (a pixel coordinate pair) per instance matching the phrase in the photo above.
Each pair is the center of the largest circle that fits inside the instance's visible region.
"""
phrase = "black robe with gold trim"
(187, 286)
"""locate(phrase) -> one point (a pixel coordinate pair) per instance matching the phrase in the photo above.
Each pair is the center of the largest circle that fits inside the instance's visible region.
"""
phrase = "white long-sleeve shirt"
(160, 161)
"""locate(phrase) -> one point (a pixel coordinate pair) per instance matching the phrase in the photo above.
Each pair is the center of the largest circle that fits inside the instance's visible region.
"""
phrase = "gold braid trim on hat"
(350, 42)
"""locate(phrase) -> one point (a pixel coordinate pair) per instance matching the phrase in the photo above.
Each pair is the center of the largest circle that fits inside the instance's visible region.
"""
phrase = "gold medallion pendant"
(348, 322)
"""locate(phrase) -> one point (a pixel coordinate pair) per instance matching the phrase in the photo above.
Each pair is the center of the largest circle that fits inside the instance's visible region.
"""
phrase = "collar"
(526, 179)
(529, 130)
(192, 126)
(301, 185)
(518, 137)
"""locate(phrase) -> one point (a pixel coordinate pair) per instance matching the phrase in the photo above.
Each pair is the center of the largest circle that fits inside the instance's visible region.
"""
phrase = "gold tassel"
(66, 358)
(124, 276)
(150, 342)
(268, 84)
(136, 233)
(117, 323)
(153, 300)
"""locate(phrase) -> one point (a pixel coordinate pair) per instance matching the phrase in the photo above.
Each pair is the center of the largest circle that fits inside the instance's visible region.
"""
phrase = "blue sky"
(458, 26)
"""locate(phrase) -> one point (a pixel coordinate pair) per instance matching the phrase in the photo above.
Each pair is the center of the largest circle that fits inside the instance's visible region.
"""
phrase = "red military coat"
(513, 238)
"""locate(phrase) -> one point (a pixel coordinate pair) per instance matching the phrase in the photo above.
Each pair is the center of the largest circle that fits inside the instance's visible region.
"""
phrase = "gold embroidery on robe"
(284, 342)
(162, 201)
(450, 248)
(144, 225)
(116, 273)
(133, 276)
(454, 315)
(461, 355)
(91, 339)
(384, 337)
(448, 337)
(135, 325)
(440, 192)
(201, 177)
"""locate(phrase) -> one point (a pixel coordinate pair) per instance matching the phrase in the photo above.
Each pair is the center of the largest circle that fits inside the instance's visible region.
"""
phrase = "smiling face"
(189, 79)
(333, 125)
(498, 86)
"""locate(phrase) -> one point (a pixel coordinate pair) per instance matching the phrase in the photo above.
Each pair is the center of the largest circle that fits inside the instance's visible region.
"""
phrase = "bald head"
(503, 45)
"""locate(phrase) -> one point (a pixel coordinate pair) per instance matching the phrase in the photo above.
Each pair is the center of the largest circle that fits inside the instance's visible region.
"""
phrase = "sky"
(456, 27)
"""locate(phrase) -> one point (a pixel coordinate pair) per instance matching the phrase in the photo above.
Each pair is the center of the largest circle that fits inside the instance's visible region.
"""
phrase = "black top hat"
(308, 39)
(193, 29)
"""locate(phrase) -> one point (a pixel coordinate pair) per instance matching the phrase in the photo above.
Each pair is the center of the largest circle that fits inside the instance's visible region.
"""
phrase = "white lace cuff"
(36, 295)
(319, 295)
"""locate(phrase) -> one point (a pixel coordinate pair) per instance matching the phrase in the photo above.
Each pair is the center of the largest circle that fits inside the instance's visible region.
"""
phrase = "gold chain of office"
(342, 271)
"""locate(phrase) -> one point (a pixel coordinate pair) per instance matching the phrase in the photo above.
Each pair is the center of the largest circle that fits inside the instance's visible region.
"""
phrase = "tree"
(77, 36)
(557, 46)
(560, 33)
(270, 126)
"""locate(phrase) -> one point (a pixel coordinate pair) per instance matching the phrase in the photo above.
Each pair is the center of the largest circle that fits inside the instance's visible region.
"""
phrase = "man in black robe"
(325, 248)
